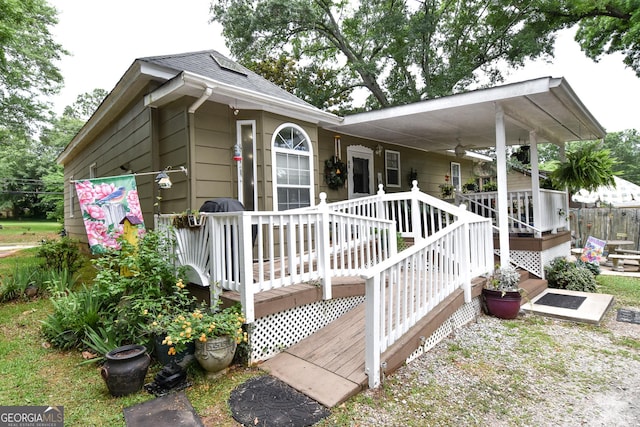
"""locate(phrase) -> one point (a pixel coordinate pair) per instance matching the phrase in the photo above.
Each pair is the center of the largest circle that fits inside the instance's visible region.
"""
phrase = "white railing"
(521, 214)
(252, 252)
(403, 290)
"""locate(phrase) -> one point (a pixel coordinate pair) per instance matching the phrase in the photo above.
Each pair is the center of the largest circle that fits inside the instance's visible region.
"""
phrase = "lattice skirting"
(536, 261)
(276, 332)
(462, 316)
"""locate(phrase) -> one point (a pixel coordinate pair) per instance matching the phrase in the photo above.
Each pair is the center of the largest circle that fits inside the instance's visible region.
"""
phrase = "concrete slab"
(592, 310)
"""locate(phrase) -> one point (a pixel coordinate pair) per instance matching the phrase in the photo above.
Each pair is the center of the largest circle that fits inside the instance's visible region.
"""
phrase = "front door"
(360, 164)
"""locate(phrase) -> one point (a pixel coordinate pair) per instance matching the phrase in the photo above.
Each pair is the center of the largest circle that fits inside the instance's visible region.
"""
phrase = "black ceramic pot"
(125, 369)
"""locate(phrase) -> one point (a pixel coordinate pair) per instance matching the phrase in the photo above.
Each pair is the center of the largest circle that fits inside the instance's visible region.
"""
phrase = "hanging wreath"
(335, 173)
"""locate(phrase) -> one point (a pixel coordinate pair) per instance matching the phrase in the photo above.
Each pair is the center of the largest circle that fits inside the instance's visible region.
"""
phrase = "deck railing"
(403, 290)
(521, 213)
(252, 252)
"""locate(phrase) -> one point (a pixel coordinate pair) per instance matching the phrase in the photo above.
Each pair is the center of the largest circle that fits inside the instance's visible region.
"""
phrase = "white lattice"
(461, 317)
(273, 333)
(528, 260)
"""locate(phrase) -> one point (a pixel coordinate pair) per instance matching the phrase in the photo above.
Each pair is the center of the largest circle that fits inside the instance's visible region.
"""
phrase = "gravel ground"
(532, 371)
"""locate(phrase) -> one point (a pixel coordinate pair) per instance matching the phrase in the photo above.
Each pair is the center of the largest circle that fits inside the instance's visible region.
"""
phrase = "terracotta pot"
(125, 369)
(215, 354)
(505, 306)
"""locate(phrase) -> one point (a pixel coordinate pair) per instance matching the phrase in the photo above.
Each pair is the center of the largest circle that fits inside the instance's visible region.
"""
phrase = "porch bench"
(615, 259)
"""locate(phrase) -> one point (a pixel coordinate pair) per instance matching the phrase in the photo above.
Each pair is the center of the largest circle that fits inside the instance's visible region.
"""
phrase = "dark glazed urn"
(505, 306)
(125, 369)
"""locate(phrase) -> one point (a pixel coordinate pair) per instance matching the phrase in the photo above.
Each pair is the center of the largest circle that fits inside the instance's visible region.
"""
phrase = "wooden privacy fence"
(605, 224)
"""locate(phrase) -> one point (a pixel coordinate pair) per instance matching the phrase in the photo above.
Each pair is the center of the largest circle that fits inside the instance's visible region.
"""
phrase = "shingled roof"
(213, 65)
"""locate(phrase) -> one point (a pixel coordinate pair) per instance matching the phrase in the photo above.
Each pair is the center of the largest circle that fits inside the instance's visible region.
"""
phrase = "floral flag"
(104, 203)
(592, 251)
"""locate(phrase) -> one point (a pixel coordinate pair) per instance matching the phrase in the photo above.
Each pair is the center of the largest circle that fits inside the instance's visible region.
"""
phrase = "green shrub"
(562, 274)
(15, 284)
(61, 254)
(73, 315)
(593, 267)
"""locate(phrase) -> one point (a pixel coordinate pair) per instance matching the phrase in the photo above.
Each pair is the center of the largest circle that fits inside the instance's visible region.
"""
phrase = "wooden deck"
(329, 365)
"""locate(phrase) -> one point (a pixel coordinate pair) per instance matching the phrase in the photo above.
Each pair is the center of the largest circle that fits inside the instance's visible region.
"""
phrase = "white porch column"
(501, 155)
(535, 180)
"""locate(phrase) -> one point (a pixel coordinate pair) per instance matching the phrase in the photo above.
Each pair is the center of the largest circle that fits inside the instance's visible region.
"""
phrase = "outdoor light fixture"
(379, 149)
(459, 150)
(163, 180)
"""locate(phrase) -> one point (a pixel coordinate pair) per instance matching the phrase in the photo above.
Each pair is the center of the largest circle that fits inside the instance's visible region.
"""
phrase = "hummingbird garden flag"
(104, 203)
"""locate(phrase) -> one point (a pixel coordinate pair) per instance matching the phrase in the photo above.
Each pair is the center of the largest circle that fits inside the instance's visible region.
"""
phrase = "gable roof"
(213, 65)
(204, 75)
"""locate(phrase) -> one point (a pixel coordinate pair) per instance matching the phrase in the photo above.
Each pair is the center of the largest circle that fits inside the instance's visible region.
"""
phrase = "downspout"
(191, 159)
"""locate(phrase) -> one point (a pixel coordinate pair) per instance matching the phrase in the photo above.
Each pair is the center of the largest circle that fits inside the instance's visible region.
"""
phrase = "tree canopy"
(28, 73)
(402, 51)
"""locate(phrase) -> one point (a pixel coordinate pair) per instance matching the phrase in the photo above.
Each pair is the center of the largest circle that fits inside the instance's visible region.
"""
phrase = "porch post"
(535, 181)
(501, 157)
(415, 213)
(324, 255)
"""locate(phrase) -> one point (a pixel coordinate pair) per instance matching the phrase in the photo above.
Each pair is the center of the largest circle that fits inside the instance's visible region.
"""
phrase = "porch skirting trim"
(275, 332)
(463, 315)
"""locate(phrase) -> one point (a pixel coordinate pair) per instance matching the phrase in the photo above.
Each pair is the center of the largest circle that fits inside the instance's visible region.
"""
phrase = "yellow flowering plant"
(160, 312)
(201, 324)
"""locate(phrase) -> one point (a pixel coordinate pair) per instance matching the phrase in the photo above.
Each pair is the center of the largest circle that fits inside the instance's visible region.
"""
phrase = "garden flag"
(104, 203)
(593, 250)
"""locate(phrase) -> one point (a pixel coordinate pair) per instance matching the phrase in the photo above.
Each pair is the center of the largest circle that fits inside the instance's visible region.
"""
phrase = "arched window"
(292, 172)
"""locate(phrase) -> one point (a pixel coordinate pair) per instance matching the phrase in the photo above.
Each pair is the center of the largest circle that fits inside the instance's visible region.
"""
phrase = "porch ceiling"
(546, 105)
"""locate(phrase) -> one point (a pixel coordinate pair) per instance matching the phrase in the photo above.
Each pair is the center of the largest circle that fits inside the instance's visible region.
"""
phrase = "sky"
(105, 37)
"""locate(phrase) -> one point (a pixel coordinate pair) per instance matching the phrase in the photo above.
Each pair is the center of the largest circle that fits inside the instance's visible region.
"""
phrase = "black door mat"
(629, 316)
(267, 401)
(571, 302)
(168, 411)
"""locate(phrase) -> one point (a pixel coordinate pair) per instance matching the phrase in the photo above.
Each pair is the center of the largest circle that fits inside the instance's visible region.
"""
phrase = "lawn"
(35, 374)
(27, 232)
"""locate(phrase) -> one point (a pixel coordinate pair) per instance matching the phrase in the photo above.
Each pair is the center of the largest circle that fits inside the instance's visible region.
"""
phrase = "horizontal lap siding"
(125, 142)
(215, 136)
(173, 139)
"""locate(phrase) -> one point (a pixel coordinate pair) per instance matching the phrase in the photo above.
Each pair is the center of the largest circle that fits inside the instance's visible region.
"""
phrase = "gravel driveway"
(532, 371)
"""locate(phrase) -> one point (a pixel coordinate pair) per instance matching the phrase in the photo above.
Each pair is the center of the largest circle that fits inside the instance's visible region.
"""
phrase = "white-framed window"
(456, 179)
(292, 156)
(392, 168)
(93, 170)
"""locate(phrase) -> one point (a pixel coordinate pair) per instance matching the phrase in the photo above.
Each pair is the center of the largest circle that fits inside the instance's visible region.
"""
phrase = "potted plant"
(215, 333)
(471, 186)
(502, 292)
(447, 190)
(160, 314)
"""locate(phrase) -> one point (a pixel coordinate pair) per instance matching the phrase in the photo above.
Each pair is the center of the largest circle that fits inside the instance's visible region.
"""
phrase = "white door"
(360, 165)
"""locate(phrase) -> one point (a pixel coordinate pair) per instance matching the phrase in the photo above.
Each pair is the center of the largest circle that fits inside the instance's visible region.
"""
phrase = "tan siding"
(126, 141)
(431, 167)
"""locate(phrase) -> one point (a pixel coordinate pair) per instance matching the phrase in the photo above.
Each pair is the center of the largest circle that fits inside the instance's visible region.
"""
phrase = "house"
(239, 136)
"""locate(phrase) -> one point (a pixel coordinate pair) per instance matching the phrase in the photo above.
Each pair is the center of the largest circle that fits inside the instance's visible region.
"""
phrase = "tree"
(604, 26)
(399, 51)
(625, 148)
(31, 181)
(28, 72)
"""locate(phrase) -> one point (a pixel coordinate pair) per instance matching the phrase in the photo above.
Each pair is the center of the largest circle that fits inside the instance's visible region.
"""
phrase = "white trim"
(241, 197)
(368, 154)
(386, 168)
(457, 186)
(275, 150)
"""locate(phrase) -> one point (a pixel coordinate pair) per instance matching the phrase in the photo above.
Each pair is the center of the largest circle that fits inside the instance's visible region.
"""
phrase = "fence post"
(324, 242)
